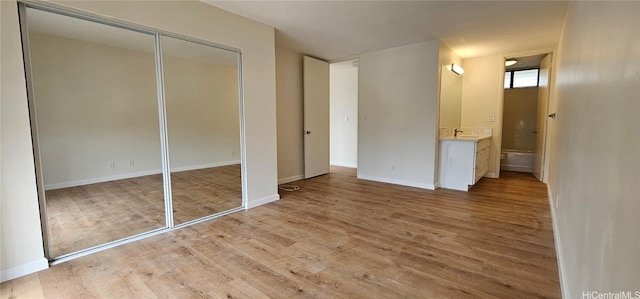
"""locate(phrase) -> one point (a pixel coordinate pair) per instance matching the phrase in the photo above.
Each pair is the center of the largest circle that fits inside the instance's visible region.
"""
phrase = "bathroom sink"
(468, 137)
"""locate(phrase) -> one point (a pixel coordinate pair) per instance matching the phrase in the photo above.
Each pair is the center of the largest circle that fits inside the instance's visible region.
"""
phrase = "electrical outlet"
(132, 163)
(232, 153)
(491, 118)
(112, 164)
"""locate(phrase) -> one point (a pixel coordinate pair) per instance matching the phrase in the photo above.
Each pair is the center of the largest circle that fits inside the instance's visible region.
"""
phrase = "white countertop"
(466, 138)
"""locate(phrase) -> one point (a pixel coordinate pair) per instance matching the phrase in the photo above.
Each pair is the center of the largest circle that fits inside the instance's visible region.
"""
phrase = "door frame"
(547, 133)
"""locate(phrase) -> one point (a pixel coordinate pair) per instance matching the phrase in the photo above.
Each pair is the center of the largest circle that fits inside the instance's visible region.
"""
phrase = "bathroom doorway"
(526, 97)
(343, 109)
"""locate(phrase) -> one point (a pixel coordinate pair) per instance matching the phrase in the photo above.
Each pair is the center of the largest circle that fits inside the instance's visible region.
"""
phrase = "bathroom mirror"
(450, 98)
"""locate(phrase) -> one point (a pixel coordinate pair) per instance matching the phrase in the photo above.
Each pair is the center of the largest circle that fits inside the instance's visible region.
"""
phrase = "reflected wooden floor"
(336, 237)
(85, 216)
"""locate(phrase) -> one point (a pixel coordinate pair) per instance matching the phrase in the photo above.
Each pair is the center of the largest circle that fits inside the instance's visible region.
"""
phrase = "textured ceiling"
(337, 30)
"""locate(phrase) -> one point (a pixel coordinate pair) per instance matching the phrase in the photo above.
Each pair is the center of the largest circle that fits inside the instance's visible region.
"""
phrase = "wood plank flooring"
(85, 216)
(336, 237)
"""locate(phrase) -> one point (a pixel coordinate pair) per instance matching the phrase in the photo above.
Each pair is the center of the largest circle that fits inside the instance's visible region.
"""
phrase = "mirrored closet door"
(128, 141)
(96, 109)
(203, 126)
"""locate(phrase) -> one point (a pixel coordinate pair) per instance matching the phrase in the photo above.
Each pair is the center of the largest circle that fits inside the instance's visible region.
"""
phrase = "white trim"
(265, 200)
(492, 175)
(291, 179)
(133, 175)
(24, 269)
(556, 238)
(397, 182)
(341, 164)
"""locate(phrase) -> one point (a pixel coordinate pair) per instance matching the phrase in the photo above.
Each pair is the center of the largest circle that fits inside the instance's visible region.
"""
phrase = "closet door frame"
(166, 173)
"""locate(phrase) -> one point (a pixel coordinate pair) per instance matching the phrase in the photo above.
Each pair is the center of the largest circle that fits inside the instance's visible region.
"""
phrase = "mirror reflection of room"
(98, 131)
(98, 135)
(201, 86)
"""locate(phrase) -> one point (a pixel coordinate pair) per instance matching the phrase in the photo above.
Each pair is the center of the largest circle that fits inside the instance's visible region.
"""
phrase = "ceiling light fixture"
(510, 62)
(457, 69)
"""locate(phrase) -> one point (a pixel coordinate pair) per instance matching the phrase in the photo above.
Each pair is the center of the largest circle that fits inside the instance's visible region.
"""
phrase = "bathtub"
(514, 160)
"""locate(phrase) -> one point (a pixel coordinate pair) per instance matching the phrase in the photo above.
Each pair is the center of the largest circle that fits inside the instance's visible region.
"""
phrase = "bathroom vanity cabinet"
(463, 161)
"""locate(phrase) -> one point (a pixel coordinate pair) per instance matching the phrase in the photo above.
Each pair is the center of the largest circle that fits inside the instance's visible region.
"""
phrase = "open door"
(316, 117)
(541, 118)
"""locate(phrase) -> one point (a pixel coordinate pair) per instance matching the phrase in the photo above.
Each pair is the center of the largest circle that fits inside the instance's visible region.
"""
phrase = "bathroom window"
(521, 78)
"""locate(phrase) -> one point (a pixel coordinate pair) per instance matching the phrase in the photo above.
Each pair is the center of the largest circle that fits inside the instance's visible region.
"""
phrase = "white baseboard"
(397, 182)
(24, 269)
(290, 179)
(492, 175)
(130, 175)
(556, 238)
(265, 200)
(342, 164)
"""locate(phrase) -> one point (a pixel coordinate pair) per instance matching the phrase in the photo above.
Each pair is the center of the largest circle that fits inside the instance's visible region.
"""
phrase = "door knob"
(307, 132)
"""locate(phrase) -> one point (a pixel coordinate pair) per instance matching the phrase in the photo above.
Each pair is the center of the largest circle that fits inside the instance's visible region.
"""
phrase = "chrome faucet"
(456, 131)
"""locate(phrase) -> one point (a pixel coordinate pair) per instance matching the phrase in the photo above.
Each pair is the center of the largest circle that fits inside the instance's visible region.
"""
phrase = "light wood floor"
(336, 237)
(85, 216)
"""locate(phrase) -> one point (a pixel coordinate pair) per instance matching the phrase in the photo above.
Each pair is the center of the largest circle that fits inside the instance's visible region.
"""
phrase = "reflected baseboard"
(131, 175)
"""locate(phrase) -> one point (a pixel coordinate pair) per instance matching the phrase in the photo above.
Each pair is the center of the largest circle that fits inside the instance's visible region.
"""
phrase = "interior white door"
(316, 117)
(541, 118)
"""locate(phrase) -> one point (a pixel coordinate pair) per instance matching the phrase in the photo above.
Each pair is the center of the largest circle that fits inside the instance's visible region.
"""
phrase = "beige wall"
(519, 119)
(344, 114)
(595, 166)
(21, 248)
(397, 121)
(482, 90)
(290, 115)
(21, 237)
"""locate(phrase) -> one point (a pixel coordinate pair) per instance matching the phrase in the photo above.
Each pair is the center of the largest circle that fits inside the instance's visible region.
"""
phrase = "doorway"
(526, 97)
(344, 114)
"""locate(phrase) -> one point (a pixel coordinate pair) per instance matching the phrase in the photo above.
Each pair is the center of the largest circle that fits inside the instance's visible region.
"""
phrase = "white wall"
(344, 114)
(397, 121)
(21, 236)
(482, 91)
(290, 115)
(595, 166)
(21, 250)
